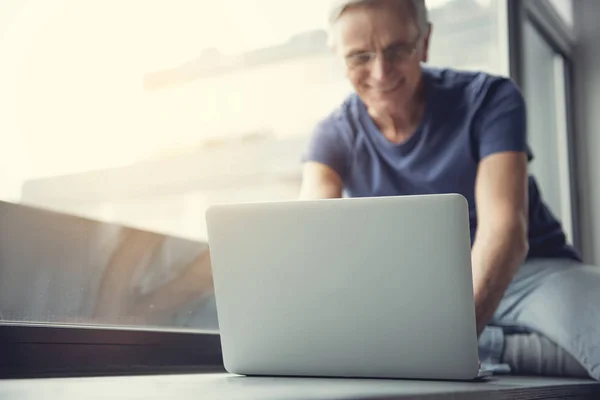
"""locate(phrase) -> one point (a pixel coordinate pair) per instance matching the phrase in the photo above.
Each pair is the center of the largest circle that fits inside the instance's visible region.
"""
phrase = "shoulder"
(341, 123)
(473, 88)
(343, 116)
(332, 140)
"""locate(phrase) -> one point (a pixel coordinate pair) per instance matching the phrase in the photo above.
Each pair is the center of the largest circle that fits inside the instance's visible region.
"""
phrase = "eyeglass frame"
(394, 53)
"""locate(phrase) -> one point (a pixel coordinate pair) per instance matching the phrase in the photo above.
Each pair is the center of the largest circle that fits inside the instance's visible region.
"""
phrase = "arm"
(320, 182)
(326, 162)
(500, 244)
(501, 196)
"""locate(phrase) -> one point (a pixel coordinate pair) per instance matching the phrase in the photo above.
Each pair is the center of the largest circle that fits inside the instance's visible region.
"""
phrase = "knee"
(534, 354)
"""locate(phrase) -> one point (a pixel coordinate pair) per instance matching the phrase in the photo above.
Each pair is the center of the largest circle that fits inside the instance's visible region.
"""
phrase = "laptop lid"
(364, 287)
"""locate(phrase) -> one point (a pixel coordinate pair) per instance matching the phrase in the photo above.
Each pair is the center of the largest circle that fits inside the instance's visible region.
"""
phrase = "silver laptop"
(369, 287)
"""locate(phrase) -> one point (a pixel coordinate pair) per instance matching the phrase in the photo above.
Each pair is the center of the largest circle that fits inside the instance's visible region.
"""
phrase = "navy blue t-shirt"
(467, 117)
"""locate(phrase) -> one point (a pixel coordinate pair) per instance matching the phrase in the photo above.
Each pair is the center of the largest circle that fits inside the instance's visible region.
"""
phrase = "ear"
(426, 40)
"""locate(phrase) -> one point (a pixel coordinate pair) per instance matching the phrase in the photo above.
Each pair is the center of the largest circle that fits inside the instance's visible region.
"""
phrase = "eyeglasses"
(394, 54)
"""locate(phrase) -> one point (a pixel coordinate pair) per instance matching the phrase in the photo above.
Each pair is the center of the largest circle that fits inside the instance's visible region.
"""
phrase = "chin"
(386, 104)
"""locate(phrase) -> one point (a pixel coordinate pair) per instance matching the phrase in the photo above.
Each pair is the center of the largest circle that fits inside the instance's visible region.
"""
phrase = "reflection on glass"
(63, 269)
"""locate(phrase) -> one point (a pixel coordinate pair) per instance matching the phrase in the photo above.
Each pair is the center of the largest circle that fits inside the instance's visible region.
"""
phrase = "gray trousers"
(548, 321)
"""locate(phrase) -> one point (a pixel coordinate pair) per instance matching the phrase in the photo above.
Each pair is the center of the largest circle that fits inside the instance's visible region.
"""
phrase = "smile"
(386, 89)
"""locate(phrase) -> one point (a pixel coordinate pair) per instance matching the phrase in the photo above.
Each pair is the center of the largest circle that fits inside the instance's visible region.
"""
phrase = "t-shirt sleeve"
(502, 121)
(328, 146)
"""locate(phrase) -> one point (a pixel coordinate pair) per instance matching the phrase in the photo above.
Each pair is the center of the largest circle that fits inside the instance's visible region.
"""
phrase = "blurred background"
(146, 112)
(134, 116)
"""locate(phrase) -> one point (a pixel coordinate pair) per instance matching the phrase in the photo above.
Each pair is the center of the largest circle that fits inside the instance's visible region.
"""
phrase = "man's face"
(382, 51)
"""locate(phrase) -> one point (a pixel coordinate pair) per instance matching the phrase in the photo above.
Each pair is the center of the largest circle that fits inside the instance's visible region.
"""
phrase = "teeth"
(386, 89)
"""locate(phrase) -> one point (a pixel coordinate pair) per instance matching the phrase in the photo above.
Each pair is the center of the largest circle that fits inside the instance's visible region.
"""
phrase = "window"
(545, 92)
(62, 269)
(136, 116)
(564, 8)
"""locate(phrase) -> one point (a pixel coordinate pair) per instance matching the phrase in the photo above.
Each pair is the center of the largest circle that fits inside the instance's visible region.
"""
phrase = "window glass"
(63, 269)
(145, 113)
(140, 114)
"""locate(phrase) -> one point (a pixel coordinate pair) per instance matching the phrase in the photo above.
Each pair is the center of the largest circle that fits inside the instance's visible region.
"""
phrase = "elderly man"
(411, 130)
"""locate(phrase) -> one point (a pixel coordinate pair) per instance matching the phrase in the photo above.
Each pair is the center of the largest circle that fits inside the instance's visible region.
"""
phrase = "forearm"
(497, 254)
(319, 181)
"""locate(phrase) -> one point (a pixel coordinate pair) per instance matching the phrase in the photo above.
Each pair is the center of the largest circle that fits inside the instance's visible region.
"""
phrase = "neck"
(398, 126)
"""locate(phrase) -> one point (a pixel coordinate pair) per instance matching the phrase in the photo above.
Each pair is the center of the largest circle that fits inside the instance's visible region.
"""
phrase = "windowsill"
(232, 387)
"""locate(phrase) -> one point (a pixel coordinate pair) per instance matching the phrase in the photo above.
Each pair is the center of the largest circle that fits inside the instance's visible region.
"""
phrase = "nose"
(380, 68)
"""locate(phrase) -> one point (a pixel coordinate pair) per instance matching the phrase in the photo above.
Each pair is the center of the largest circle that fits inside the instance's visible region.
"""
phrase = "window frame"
(34, 350)
(542, 15)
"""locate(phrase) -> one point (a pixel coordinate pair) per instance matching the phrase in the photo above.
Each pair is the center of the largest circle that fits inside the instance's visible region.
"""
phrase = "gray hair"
(419, 10)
